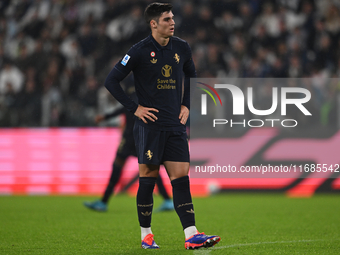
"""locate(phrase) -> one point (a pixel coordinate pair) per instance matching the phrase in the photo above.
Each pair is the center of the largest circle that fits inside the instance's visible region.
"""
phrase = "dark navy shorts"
(156, 146)
(126, 147)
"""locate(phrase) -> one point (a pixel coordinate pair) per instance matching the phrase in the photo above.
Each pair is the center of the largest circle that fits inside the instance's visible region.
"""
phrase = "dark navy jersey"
(158, 74)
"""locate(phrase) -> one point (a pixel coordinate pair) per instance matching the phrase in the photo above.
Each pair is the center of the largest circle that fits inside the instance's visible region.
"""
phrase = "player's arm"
(112, 83)
(189, 72)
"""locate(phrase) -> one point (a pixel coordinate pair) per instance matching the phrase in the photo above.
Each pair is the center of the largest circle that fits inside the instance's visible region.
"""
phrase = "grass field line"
(250, 244)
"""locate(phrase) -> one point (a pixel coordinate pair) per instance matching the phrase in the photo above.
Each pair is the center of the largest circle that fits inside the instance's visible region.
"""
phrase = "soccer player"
(158, 63)
(126, 148)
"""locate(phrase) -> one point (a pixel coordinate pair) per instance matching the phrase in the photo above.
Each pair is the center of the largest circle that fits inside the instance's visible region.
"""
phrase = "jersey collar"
(159, 47)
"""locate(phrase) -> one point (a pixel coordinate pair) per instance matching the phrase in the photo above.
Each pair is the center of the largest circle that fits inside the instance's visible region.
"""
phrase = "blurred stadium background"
(55, 55)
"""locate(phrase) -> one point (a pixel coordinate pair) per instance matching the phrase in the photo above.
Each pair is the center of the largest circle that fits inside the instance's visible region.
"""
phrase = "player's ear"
(153, 24)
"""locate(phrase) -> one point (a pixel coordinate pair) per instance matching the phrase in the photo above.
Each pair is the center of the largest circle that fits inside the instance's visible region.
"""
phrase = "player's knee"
(178, 175)
(148, 170)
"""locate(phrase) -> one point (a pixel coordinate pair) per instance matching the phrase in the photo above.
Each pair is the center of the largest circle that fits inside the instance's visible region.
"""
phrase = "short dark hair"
(154, 10)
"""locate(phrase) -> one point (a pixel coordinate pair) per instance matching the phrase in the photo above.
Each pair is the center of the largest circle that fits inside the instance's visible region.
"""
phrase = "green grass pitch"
(247, 224)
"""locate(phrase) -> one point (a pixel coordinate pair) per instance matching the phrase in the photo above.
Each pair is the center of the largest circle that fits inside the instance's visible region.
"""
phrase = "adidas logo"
(146, 213)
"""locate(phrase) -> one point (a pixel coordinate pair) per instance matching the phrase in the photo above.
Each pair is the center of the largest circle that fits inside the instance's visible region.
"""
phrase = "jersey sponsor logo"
(166, 70)
(166, 84)
(153, 61)
(125, 60)
(149, 155)
(152, 54)
(177, 58)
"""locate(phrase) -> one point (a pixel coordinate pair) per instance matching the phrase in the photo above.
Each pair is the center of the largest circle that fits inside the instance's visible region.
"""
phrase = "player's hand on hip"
(145, 113)
(184, 114)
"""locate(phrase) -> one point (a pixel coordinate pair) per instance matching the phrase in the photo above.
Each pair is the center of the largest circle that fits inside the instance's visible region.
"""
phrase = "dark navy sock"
(183, 202)
(145, 200)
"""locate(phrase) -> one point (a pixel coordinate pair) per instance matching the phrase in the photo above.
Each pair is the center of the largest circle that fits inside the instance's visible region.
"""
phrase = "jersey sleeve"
(117, 74)
(189, 72)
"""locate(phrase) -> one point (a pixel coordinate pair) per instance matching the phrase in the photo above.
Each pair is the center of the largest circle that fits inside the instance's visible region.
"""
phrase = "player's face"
(166, 24)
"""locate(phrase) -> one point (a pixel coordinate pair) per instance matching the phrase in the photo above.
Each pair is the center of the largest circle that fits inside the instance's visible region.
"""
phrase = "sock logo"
(191, 211)
(139, 205)
(149, 154)
(184, 205)
(146, 213)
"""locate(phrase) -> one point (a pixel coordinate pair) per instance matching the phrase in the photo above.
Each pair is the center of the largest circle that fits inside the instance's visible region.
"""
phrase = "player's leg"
(126, 148)
(123, 152)
(101, 205)
(148, 148)
(161, 188)
(147, 179)
(176, 162)
(178, 174)
(116, 173)
(167, 204)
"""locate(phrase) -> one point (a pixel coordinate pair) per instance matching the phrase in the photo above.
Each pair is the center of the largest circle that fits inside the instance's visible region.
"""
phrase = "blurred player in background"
(125, 150)
(158, 63)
